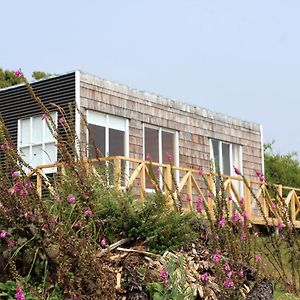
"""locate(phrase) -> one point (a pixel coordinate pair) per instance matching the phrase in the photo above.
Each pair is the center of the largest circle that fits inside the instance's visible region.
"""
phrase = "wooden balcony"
(263, 203)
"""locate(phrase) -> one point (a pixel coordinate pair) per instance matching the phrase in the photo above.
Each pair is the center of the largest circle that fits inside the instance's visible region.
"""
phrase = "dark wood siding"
(16, 102)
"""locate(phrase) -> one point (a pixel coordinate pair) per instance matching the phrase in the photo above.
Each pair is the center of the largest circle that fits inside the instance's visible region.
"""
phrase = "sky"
(237, 57)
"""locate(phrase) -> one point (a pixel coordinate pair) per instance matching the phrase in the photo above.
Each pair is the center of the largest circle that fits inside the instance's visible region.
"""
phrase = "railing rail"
(262, 202)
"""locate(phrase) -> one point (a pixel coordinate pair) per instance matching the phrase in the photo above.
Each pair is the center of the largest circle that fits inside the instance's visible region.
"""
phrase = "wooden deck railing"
(264, 204)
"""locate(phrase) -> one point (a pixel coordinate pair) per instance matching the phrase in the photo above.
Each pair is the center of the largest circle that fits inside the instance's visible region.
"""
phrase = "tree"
(8, 78)
(40, 75)
(281, 168)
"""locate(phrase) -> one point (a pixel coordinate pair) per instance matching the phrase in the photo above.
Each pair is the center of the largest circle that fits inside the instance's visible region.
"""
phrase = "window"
(109, 134)
(160, 145)
(225, 156)
(35, 141)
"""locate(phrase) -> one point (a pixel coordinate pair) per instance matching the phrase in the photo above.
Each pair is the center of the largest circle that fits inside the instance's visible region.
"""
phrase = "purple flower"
(244, 214)
(241, 201)
(164, 275)
(280, 226)
(222, 222)
(204, 277)
(258, 258)
(236, 218)
(230, 198)
(169, 157)
(188, 197)
(15, 174)
(10, 243)
(237, 171)
(243, 237)
(217, 256)
(227, 267)
(103, 242)
(2, 234)
(255, 234)
(44, 117)
(229, 274)
(18, 73)
(28, 184)
(88, 213)
(200, 172)
(71, 199)
(148, 156)
(273, 206)
(78, 224)
(61, 121)
(199, 206)
(228, 283)
(20, 294)
(260, 176)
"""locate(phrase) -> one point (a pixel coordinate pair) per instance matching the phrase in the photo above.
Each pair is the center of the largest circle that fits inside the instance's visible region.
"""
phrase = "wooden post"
(117, 174)
(190, 192)
(168, 184)
(39, 184)
(143, 182)
(247, 199)
(210, 201)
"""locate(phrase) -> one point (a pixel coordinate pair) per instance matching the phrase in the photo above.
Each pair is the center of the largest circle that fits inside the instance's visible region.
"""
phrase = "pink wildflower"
(241, 274)
(71, 199)
(61, 121)
(18, 73)
(229, 274)
(199, 206)
(222, 222)
(236, 218)
(217, 256)
(1, 205)
(258, 258)
(243, 237)
(280, 226)
(273, 206)
(204, 277)
(244, 215)
(209, 194)
(164, 275)
(78, 224)
(188, 198)
(237, 171)
(200, 172)
(2, 234)
(10, 243)
(28, 184)
(19, 294)
(230, 198)
(255, 234)
(103, 242)
(15, 174)
(228, 283)
(44, 117)
(241, 201)
(169, 157)
(148, 156)
(88, 213)
(260, 176)
(227, 267)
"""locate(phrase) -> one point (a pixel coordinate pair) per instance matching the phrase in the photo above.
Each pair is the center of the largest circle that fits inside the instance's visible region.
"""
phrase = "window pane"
(50, 155)
(48, 135)
(37, 130)
(151, 144)
(96, 139)
(25, 132)
(116, 142)
(24, 151)
(167, 147)
(216, 155)
(226, 159)
(36, 156)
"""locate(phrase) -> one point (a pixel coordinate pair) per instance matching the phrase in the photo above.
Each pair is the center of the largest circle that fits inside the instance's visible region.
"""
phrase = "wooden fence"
(263, 203)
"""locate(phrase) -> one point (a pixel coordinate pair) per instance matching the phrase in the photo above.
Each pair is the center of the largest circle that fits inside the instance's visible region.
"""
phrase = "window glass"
(25, 132)
(152, 143)
(36, 155)
(50, 153)
(116, 142)
(168, 146)
(37, 130)
(216, 155)
(226, 159)
(96, 140)
(25, 153)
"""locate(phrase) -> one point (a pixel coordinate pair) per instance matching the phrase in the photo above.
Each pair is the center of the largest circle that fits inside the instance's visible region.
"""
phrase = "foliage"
(8, 78)
(40, 75)
(282, 168)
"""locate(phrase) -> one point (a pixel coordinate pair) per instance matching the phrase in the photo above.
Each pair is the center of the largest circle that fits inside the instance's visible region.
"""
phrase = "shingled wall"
(195, 125)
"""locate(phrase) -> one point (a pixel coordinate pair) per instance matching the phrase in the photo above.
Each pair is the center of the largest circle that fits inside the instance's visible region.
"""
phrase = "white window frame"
(109, 121)
(43, 142)
(176, 148)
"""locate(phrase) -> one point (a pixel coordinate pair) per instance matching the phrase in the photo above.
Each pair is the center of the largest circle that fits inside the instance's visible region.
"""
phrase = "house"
(132, 123)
